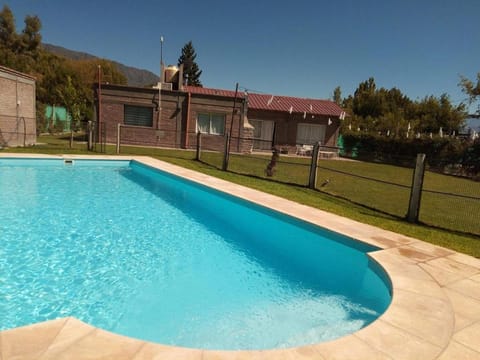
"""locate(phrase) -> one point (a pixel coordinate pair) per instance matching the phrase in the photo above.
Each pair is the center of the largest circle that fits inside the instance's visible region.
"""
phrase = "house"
(17, 108)
(254, 121)
(288, 121)
(176, 122)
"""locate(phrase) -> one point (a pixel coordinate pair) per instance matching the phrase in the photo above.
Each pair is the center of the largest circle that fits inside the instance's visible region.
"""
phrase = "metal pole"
(160, 84)
(118, 138)
(228, 137)
(312, 179)
(161, 58)
(199, 146)
(24, 132)
(226, 153)
(233, 113)
(99, 96)
(416, 191)
(90, 136)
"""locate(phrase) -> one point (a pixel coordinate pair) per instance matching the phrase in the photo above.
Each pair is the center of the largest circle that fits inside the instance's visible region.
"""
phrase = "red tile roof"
(293, 104)
(276, 103)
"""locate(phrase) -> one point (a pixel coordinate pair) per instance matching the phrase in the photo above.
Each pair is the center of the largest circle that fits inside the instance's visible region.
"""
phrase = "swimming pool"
(149, 255)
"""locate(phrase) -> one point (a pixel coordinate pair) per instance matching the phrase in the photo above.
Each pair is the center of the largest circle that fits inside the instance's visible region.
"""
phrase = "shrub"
(452, 155)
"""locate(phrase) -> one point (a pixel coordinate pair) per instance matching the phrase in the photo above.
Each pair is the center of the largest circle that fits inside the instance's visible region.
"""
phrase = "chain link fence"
(446, 201)
(450, 202)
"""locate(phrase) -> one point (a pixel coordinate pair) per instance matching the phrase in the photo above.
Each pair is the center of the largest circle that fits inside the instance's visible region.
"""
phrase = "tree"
(8, 37)
(31, 37)
(337, 96)
(390, 112)
(367, 100)
(471, 89)
(191, 71)
(72, 99)
(8, 34)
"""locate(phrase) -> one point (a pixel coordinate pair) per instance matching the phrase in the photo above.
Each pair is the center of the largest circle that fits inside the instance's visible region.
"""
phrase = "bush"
(451, 155)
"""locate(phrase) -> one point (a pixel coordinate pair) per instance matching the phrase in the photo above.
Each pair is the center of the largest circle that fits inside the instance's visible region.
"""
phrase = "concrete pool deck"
(434, 314)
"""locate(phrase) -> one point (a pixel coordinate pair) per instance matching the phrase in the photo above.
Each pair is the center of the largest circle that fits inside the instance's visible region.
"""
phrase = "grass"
(295, 171)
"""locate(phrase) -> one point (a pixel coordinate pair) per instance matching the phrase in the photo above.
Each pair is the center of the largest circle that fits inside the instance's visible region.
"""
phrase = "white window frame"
(211, 129)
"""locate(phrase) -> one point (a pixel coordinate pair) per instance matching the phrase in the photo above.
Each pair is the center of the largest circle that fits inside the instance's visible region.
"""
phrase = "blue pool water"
(146, 254)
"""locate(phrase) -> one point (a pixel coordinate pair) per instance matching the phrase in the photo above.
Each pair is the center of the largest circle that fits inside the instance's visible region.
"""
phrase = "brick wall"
(286, 125)
(17, 108)
(177, 126)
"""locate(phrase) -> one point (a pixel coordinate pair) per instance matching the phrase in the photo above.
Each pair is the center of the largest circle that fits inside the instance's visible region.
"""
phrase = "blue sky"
(299, 48)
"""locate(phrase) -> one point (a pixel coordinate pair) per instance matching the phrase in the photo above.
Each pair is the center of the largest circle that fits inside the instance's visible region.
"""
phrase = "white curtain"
(217, 126)
(203, 123)
(309, 134)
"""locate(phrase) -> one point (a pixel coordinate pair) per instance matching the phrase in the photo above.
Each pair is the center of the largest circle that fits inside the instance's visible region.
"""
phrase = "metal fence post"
(312, 179)
(416, 190)
(118, 138)
(90, 135)
(199, 146)
(226, 153)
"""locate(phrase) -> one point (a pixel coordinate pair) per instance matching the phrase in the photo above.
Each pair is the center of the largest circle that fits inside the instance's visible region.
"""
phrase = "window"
(262, 133)
(211, 124)
(138, 115)
(309, 134)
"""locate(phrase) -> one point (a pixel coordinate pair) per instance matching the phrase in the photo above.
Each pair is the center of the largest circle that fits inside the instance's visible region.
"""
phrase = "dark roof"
(275, 102)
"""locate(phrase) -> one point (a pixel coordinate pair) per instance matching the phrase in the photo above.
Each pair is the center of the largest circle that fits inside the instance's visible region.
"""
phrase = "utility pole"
(160, 84)
(99, 110)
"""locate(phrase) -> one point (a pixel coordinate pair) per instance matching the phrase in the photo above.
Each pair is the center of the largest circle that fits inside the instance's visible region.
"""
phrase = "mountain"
(135, 76)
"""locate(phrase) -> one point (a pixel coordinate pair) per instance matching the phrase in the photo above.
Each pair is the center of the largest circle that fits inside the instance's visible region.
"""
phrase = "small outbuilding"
(17, 108)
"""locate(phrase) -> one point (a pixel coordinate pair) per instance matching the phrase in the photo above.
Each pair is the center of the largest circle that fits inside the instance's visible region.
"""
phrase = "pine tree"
(191, 71)
(31, 37)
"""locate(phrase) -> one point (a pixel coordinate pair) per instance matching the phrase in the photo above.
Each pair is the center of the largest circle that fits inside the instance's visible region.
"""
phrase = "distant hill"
(135, 76)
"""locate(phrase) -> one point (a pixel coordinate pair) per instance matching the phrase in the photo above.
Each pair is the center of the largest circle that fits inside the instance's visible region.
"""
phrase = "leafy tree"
(72, 99)
(471, 89)
(8, 33)
(59, 81)
(390, 112)
(191, 71)
(8, 37)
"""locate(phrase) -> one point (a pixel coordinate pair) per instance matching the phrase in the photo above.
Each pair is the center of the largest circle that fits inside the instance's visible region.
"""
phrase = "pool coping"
(434, 314)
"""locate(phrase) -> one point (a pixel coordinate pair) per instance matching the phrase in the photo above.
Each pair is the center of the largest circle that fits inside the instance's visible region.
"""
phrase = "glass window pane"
(302, 134)
(217, 124)
(309, 134)
(138, 115)
(203, 123)
(257, 128)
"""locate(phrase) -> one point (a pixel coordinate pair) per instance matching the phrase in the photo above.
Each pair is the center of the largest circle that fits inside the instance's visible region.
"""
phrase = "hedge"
(451, 155)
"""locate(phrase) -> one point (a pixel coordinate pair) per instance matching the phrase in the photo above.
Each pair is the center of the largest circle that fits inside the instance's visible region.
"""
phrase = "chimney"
(180, 78)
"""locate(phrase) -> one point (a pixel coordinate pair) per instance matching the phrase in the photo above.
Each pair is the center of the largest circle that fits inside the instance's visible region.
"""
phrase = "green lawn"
(333, 196)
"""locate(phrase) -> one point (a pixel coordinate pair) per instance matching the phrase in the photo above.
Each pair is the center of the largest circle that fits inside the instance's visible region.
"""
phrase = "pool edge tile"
(30, 341)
